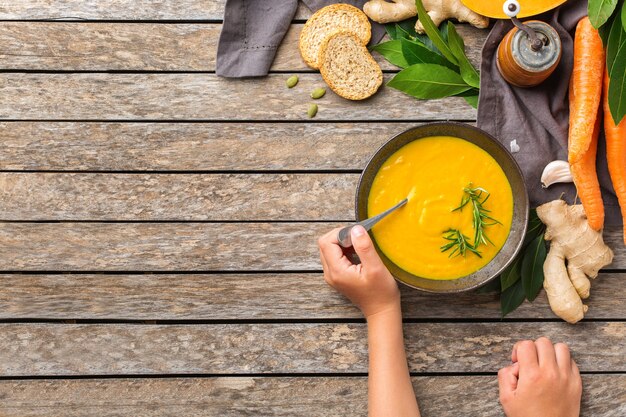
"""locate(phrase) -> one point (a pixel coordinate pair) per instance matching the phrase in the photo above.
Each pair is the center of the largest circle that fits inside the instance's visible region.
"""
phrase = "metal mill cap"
(544, 58)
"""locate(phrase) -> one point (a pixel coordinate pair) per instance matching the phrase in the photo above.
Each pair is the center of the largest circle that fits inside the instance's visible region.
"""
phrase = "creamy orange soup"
(433, 172)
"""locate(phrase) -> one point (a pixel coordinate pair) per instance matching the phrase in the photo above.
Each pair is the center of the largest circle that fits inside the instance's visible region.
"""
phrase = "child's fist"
(543, 381)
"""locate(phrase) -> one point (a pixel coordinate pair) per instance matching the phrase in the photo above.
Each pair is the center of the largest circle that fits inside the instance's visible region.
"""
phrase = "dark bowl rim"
(519, 245)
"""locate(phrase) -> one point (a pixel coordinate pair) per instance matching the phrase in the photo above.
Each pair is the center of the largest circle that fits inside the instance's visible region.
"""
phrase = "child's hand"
(369, 285)
(543, 381)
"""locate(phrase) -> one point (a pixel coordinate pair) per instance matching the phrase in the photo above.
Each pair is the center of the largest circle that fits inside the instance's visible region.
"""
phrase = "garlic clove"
(556, 171)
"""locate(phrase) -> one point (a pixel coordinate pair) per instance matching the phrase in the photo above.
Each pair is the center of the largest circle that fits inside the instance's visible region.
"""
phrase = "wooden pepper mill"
(530, 52)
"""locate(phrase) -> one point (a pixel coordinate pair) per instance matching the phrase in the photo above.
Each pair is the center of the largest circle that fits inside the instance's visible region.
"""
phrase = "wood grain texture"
(136, 349)
(98, 146)
(108, 46)
(267, 297)
(172, 96)
(221, 197)
(119, 10)
(146, 47)
(160, 246)
(277, 397)
(176, 246)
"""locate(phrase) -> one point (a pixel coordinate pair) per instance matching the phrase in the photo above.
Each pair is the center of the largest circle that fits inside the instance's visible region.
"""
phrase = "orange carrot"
(615, 151)
(587, 81)
(587, 184)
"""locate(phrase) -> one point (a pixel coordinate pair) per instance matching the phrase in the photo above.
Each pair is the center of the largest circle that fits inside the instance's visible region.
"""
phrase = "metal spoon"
(344, 234)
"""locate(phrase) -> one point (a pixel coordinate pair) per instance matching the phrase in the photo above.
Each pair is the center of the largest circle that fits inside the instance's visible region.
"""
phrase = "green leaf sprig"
(433, 65)
(476, 197)
(481, 219)
(459, 243)
(609, 17)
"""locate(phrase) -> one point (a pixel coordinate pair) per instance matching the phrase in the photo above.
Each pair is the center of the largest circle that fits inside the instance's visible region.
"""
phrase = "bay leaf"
(428, 81)
(457, 46)
(511, 274)
(408, 26)
(617, 86)
(616, 38)
(404, 29)
(535, 228)
(402, 33)
(416, 53)
(423, 38)
(472, 100)
(392, 51)
(390, 28)
(511, 298)
(605, 30)
(532, 267)
(433, 33)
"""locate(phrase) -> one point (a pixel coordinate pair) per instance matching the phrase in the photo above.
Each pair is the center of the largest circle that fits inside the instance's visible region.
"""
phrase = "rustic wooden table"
(158, 236)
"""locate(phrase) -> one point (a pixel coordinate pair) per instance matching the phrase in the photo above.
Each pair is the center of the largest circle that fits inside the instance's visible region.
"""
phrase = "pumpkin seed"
(318, 93)
(292, 81)
(312, 110)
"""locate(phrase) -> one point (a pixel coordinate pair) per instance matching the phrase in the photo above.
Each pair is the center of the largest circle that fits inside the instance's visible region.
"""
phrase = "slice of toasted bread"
(348, 68)
(325, 22)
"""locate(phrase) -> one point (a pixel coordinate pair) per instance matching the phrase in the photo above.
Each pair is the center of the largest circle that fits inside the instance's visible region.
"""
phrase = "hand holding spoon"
(344, 234)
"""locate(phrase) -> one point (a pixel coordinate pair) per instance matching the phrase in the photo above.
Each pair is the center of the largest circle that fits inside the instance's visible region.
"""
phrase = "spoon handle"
(345, 241)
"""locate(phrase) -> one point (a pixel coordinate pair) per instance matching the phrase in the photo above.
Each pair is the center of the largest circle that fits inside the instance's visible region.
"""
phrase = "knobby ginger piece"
(383, 11)
(572, 240)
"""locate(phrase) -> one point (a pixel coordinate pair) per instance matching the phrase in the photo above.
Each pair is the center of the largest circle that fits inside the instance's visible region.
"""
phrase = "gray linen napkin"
(253, 30)
(537, 118)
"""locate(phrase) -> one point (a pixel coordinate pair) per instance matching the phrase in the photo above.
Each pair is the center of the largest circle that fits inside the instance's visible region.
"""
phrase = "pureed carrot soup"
(428, 237)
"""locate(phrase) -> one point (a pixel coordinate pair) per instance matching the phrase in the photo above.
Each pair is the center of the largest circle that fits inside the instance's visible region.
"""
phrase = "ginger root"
(572, 240)
(382, 11)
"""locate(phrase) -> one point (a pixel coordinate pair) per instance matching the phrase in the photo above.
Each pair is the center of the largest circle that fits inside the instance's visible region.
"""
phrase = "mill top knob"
(527, 62)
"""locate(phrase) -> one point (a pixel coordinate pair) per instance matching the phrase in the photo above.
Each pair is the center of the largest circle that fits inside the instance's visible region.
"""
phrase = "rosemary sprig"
(459, 242)
(476, 196)
(481, 219)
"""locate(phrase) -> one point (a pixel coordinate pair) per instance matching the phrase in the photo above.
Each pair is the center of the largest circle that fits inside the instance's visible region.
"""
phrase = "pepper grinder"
(529, 52)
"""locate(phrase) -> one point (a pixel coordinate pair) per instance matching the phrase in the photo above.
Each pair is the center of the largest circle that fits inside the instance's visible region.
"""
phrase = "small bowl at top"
(513, 173)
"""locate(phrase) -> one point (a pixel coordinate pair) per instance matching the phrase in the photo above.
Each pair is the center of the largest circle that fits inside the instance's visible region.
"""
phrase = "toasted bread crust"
(324, 18)
(334, 83)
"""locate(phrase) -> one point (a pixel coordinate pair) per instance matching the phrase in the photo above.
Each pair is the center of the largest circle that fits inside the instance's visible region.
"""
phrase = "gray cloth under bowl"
(538, 117)
(253, 30)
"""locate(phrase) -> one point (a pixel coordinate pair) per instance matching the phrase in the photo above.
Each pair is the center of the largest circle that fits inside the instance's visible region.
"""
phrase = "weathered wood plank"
(191, 146)
(144, 47)
(173, 96)
(268, 296)
(108, 46)
(221, 197)
(277, 397)
(159, 246)
(175, 246)
(123, 349)
(119, 10)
